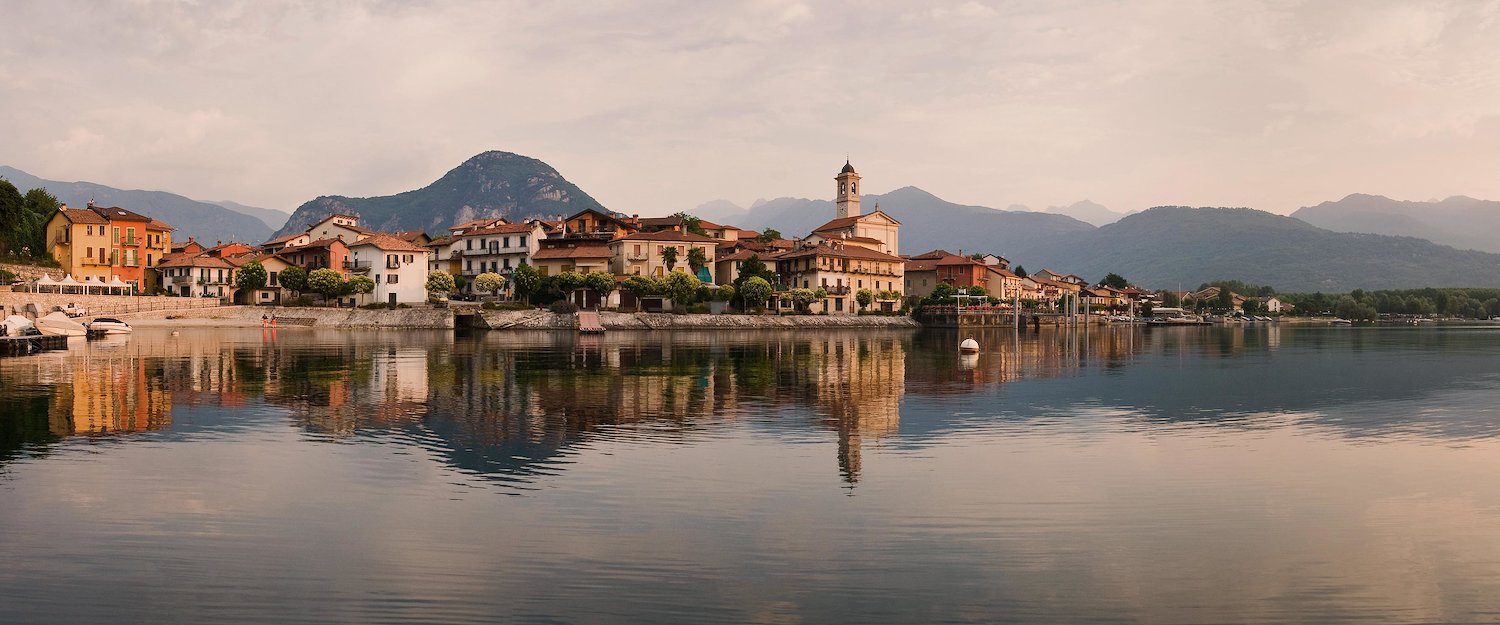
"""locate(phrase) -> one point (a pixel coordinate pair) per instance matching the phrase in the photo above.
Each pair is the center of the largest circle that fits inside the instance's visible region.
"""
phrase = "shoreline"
(444, 319)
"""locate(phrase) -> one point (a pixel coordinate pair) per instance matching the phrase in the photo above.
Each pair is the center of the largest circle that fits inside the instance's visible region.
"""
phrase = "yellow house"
(79, 240)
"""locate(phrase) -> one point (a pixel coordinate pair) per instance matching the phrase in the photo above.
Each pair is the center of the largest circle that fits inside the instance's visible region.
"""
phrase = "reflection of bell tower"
(848, 197)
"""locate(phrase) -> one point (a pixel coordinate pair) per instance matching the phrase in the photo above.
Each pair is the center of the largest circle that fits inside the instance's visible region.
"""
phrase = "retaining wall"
(102, 305)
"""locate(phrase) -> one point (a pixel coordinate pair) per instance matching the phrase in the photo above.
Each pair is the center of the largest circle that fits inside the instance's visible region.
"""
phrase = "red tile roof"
(668, 235)
(840, 251)
(389, 243)
(577, 251)
(82, 216)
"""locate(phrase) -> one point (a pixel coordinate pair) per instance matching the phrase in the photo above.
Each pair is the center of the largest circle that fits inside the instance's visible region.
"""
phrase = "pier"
(26, 345)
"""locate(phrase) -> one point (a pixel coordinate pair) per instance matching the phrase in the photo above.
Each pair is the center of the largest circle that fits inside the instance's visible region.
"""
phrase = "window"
(506, 242)
(117, 235)
(391, 278)
(273, 279)
(468, 244)
(468, 265)
(148, 260)
(89, 230)
(523, 241)
(130, 236)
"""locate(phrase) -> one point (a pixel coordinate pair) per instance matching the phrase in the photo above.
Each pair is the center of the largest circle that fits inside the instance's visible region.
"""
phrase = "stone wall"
(421, 318)
(101, 305)
(541, 320)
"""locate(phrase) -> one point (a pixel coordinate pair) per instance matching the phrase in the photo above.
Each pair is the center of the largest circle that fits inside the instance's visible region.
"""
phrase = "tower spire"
(847, 199)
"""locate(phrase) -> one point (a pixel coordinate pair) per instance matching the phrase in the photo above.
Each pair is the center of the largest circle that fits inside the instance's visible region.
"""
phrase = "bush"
(378, 306)
(298, 302)
(563, 307)
(698, 309)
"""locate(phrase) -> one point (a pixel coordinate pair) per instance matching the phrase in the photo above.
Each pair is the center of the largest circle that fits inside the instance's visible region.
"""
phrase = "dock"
(588, 322)
(27, 345)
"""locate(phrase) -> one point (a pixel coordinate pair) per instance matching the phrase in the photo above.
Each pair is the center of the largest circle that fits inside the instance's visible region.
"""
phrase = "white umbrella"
(68, 281)
(115, 283)
(45, 281)
(92, 281)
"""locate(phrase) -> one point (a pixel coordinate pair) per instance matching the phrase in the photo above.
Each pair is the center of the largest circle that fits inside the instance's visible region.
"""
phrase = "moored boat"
(110, 326)
(58, 324)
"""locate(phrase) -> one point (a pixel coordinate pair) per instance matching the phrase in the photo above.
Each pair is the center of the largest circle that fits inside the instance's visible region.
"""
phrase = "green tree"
(769, 235)
(527, 281)
(803, 298)
(569, 281)
(489, 282)
(977, 291)
(697, 258)
(325, 282)
(1020, 271)
(601, 282)
(680, 288)
(724, 293)
(294, 278)
(865, 297)
(941, 294)
(12, 216)
(360, 285)
(643, 285)
(669, 256)
(1170, 299)
(251, 276)
(754, 292)
(691, 224)
(438, 282)
(31, 234)
(753, 268)
(1224, 301)
(1115, 280)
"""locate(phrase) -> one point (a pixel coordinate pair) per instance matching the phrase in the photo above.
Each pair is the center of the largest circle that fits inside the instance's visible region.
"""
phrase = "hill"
(1165, 247)
(928, 222)
(1087, 212)
(491, 184)
(271, 217)
(1462, 222)
(190, 218)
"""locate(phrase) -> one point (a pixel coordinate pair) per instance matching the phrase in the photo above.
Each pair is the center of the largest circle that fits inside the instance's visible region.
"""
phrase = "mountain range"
(1462, 222)
(204, 221)
(491, 184)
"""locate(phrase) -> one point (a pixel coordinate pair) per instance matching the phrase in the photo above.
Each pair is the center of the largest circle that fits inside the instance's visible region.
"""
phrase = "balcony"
(357, 266)
(836, 290)
(635, 258)
(393, 264)
(131, 241)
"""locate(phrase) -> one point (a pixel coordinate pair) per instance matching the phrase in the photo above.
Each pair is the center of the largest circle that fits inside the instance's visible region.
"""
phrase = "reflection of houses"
(112, 392)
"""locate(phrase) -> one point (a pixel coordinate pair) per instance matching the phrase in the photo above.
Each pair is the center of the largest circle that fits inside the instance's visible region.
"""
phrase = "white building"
(499, 248)
(398, 268)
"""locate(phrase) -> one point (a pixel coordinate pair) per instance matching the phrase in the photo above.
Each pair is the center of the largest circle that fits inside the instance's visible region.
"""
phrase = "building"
(496, 248)
(107, 243)
(399, 268)
(875, 230)
(321, 254)
(343, 227)
(580, 255)
(197, 275)
(641, 253)
(842, 270)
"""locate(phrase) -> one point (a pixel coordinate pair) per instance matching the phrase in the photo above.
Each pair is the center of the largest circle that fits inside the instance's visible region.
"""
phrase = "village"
(593, 259)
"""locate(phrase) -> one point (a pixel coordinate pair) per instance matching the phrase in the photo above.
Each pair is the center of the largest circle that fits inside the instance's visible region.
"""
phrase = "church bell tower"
(848, 197)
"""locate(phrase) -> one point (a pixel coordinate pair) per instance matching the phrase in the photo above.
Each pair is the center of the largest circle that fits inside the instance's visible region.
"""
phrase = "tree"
(1115, 280)
(941, 293)
(769, 235)
(691, 224)
(643, 285)
(528, 280)
(803, 298)
(865, 297)
(12, 215)
(439, 282)
(977, 291)
(294, 278)
(325, 282)
(753, 268)
(697, 258)
(754, 292)
(1020, 271)
(251, 276)
(1170, 299)
(680, 288)
(489, 282)
(726, 293)
(669, 256)
(32, 233)
(1251, 306)
(601, 282)
(1225, 300)
(360, 285)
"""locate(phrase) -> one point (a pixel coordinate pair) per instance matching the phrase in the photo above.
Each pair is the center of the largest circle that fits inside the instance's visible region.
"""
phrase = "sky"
(655, 107)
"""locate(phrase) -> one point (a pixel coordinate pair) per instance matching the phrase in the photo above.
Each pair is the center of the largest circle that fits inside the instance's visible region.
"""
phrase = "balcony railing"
(637, 257)
(393, 264)
(360, 266)
(131, 241)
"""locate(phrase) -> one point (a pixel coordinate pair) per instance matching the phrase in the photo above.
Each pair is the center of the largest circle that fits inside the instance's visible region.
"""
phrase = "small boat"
(110, 326)
(16, 325)
(58, 324)
(1341, 322)
(968, 346)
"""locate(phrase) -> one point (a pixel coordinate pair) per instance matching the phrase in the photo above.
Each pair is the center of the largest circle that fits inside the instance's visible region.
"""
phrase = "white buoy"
(969, 346)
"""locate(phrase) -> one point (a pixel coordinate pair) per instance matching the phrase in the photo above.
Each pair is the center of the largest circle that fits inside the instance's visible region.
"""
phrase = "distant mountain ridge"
(1171, 246)
(491, 184)
(271, 217)
(1088, 212)
(1459, 221)
(203, 221)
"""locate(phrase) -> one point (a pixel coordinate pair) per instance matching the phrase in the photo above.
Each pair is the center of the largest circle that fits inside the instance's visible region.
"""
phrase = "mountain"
(1087, 212)
(928, 222)
(1462, 222)
(1171, 246)
(189, 218)
(271, 217)
(720, 211)
(492, 184)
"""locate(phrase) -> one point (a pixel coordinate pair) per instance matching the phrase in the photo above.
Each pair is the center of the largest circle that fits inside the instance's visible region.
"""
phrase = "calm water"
(1176, 475)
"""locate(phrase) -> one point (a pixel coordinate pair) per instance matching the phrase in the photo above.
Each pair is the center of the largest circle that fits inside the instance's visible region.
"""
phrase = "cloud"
(657, 107)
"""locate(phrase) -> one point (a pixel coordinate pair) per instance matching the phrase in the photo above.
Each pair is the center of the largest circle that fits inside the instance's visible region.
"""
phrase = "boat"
(110, 326)
(16, 325)
(1341, 322)
(58, 324)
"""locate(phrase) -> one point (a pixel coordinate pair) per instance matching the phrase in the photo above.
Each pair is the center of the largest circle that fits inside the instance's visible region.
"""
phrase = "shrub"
(298, 302)
(698, 309)
(563, 307)
(378, 306)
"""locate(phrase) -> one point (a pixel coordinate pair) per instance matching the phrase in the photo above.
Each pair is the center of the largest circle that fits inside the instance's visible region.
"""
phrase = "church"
(854, 252)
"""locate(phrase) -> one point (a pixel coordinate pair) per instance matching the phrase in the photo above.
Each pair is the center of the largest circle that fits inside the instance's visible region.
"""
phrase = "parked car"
(72, 310)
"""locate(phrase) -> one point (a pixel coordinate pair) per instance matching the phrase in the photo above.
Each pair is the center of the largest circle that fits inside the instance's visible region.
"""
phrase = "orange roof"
(502, 229)
(841, 251)
(577, 251)
(82, 216)
(157, 224)
(389, 243)
(667, 235)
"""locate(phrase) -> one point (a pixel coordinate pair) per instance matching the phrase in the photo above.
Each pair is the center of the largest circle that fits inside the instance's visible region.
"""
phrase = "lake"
(1256, 474)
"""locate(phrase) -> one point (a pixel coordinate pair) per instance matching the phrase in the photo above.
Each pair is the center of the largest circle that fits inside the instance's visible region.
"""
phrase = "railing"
(638, 257)
(836, 290)
(392, 264)
(131, 241)
(357, 265)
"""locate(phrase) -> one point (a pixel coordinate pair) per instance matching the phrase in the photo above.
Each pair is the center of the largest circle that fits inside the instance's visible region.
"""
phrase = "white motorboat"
(58, 324)
(16, 325)
(110, 326)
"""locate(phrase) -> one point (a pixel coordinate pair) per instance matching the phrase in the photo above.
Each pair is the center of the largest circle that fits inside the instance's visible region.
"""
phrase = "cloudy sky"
(656, 107)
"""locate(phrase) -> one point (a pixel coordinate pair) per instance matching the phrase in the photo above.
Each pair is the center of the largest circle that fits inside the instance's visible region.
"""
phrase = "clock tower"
(848, 197)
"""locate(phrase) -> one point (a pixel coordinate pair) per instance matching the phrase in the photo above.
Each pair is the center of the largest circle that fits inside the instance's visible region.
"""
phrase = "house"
(729, 259)
(343, 227)
(289, 240)
(1002, 283)
(576, 254)
(677, 222)
(399, 268)
(1274, 304)
(320, 254)
(106, 243)
(595, 224)
(272, 294)
(198, 275)
(920, 275)
(495, 248)
(842, 270)
(641, 253)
